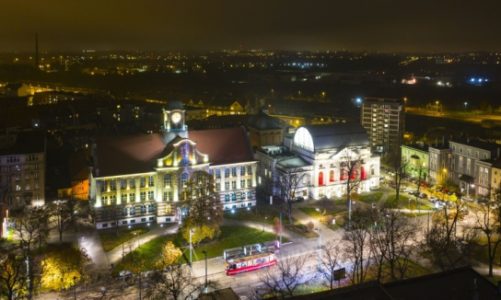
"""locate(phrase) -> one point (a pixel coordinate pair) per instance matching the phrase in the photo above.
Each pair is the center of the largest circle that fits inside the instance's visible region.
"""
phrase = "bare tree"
(12, 276)
(357, 247)
(391, 243)
(489, 225)
(399, 169)
(174, 282)
(61, 211)
(31, 230)
(350, 171)
(284, 279)
(289, 181)
(330, 262)
(446, 248)
(202, 200)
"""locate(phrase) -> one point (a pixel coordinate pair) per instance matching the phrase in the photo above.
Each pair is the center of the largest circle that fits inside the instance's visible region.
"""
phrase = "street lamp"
(206, 285)
(191, 246)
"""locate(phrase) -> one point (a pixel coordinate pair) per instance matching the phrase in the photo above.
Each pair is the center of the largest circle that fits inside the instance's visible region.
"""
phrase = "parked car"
(433, 199)
(423, 196)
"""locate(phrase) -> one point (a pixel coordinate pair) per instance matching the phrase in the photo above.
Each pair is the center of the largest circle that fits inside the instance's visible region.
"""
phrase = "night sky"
(382, 25)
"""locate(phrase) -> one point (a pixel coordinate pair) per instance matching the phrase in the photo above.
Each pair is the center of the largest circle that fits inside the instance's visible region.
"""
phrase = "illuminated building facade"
(383, 119)
(415, 159)
(140, 179)
(22, 169)
(320, 156)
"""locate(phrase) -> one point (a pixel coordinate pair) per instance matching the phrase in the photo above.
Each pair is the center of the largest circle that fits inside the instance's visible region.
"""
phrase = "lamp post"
(206, 284)
(75, 288)
(191, 247)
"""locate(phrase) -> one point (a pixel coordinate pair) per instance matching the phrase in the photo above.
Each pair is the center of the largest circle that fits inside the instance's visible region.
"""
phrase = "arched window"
(184, 178)
(303, 139)
(363, 174)
(321, 178)
(331, 176)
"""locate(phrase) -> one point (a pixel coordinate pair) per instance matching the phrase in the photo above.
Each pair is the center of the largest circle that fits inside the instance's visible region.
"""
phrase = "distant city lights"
(478, 80)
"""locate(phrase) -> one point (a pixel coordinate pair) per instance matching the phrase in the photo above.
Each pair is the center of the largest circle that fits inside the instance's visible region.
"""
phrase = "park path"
(116, 254)
(325, 233)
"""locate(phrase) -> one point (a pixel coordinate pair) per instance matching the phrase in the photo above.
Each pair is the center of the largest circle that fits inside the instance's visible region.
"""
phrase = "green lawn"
(404, 202)
(231, 237)
(312, 212)
(370, 197)
(110, 240)
(260, 214)
(146, 256)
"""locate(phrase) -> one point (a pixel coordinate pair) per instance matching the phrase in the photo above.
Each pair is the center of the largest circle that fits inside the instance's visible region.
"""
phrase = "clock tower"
(174, 122)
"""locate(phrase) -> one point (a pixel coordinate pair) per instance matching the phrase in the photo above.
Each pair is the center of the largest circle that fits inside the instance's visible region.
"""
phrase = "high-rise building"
(383, 118)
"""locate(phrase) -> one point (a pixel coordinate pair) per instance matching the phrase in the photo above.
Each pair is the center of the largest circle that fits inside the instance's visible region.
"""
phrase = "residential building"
(415, 159)
(470, 165)
(384, 120)
(141, 178)
(495, 178)
(265, 130)
(320, 156)
(439, 165)
(22, 169)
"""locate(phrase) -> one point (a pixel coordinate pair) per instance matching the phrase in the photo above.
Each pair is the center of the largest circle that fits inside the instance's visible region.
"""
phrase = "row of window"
(238, 196)
(244, 170)
(131, 222)
(243, 184)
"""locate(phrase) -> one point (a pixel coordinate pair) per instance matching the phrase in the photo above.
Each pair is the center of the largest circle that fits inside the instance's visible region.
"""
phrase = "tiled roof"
(224, 146)
(138, 154)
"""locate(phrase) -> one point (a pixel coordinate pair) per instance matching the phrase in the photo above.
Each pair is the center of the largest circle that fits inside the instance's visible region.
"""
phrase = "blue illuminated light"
(358, 100)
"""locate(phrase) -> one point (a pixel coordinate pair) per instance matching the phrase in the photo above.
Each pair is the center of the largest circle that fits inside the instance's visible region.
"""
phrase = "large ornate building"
(139, 179)
(320, 156)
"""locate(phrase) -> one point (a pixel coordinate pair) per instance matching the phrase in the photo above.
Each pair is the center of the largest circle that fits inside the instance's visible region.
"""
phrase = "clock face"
(175, 117)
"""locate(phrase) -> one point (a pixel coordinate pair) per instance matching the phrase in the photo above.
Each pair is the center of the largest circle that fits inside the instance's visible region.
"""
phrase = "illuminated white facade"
(321, 153)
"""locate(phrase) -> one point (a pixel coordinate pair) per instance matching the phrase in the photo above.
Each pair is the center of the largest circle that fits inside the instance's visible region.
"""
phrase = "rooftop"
(337, 136)
(22, 143)
(138, 153)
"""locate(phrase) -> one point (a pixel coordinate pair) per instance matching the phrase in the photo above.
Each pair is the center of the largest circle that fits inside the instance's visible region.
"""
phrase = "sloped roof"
(337, 135)
(262, 121)
(127, 155)
(138, 153)
(224, 146)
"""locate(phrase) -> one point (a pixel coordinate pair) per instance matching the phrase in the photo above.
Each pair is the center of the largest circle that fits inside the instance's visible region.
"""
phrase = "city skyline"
(386, 26)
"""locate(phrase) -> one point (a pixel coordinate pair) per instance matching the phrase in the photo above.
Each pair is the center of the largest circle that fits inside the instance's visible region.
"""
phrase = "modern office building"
(22, 169)
(140, 179)
(319, 155)
(384, 120)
